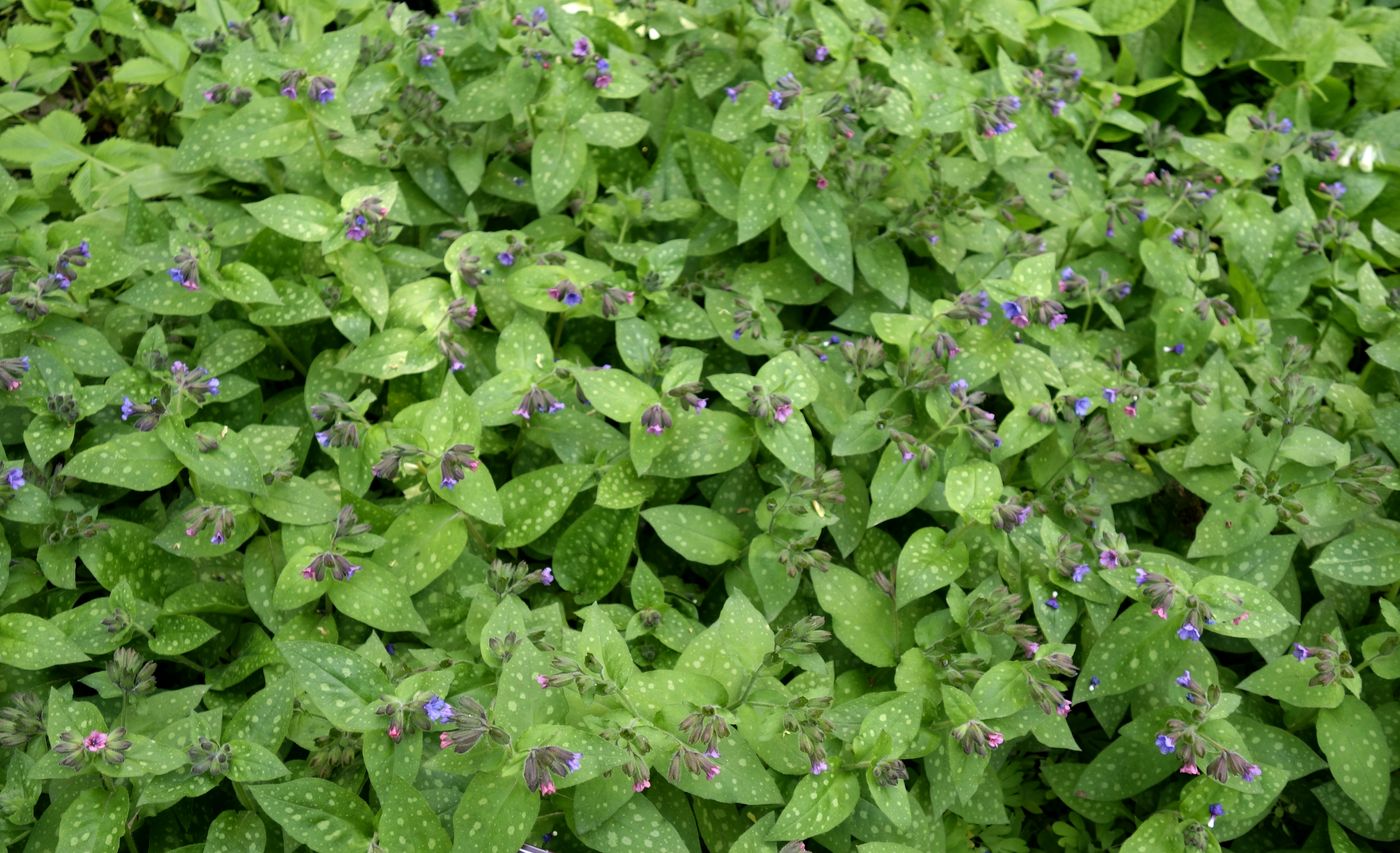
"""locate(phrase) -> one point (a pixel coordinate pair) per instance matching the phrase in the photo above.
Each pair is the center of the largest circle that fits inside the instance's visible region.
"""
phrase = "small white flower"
(1345, 160)
(1368, 158)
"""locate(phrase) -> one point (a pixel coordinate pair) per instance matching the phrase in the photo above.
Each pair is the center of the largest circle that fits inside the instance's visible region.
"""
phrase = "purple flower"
(782, 412)
(574, 762)
(449, 482)
(1273, 172)
(1285, 126)
(1301, 652)
(1216, 809)
(1057, 106)
(1109, 232)
(289, 92)
(1189, 631)
(1110, 394)
(505, 259)
(1184, 680)
(176, 275)
(128, 408)
(547, 576)
(539, 16)
(1178, 236)
(1108, 558)
(1094, 682)
(1251, 772)
(217, 538)
(821, 53)
(432, 31)
(15, 477)
(1336, 190)
(1176, 349)
(933, 241)
(581, 48)
(323, 439)
(1166, 744)
(957, 386)
(819, 767)
(775, 98)
(1082, 405)
(1081, 572)
(1052, 602)
(1012, 310)
(732, 94)
(1141, 577)
(437, 710)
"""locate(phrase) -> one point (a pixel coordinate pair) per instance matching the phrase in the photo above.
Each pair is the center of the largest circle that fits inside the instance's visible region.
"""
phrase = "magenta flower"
(95, 741)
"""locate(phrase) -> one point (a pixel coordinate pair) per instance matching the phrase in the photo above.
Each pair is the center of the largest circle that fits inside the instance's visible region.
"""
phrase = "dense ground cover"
(711, 426)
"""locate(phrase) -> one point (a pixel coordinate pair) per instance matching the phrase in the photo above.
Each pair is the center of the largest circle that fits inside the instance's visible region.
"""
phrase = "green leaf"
(925, 565)
(816, 228)
(883, 266)
(817, 804)
(899, 486)
(94, 822)
(1286, 679)
(861, 615)
(324, 816)
(1358, 753)
(557, 163)
(616, 393)
(132, 460)
(697, 533)
(972, 490)
(1136, 649)
(1258, 613)
(612, 129)
(375, 597)
(495, 813)
(767, 193)
(635, 826)
(696, 445)
(32, 642)
(236, 832)
(300, 217)
(1367, 557)
(253, 762)
(591, 556)
(532, 503)
(1120, 17)
(732, 648)
(406, 821)
(341, 684)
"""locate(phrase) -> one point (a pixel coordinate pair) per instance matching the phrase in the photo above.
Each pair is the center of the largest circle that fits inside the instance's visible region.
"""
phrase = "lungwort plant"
(726, 425)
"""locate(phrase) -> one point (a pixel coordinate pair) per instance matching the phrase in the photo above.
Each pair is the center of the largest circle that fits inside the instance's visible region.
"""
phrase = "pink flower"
(1191, 769)
(1130, 411)
(1159, 612)
(443, 740)
(782, 412)
(95, 741)
(1240, 618)
(547, 787)
(1031, 649)
(711, 772)
(1064, 709)
(641, 785)
(542, 681)
(395, 732)
(995, 739)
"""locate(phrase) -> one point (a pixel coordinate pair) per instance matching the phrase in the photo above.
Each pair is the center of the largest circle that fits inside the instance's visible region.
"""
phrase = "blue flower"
(128, 408)
(437, 710)
(776, 99)
(1012, 310)
(1184, 680)
(505, 259)
(1082, 405)
(15, 477)
(176, 275)
(1081, 572)
(957, 386)
(1285, 126)
(1189, 632)
(732, 94)
(1110, 394)
(1166, 744)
